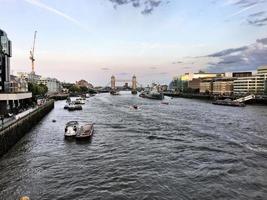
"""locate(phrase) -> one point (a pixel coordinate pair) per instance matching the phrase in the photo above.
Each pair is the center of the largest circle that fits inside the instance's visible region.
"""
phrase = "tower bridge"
(133, 81)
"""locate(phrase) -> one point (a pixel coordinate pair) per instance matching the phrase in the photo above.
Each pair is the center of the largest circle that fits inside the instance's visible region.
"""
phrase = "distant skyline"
(154, 39)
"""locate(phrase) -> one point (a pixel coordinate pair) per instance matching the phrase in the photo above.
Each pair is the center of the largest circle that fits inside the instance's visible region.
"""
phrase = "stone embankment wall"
(11, 134)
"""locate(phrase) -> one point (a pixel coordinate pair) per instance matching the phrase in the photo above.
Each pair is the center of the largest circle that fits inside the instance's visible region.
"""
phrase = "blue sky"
(155, 39)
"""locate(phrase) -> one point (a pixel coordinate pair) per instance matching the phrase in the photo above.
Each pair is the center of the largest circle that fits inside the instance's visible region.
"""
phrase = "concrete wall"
(13, 133)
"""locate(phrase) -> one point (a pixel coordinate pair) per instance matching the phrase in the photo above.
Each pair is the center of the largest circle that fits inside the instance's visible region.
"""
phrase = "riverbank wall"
(11, 134)
(258, 100)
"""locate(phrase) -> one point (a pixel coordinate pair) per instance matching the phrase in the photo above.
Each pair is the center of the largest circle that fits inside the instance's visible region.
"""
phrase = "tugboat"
(85, 132)
(71, 129)
(152, 94)
(228, 102)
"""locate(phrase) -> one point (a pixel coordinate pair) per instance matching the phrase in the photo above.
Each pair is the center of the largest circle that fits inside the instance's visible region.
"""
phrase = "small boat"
(134, 92)
(66, 106)
(135, 107)
(166, 103)
(85, 132)
(113, 92)
(79, 101)
(73, 107)
(71, 129)
(228, 102)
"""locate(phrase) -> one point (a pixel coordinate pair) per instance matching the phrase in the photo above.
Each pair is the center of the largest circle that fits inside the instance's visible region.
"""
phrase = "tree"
(37, 90)
(75, 89)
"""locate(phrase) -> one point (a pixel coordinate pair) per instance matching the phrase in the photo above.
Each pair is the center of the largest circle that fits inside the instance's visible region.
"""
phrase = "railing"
(16, 121)
(243, 99)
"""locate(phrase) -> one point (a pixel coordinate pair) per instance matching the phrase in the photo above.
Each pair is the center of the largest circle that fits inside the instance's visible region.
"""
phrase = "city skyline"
(154, 40)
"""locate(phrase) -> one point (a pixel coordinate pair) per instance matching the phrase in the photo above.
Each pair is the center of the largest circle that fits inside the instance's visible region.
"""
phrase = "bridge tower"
(134, 85)
(113, 82)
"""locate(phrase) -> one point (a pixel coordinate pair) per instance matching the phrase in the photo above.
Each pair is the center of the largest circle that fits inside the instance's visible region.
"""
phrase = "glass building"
(5, 54)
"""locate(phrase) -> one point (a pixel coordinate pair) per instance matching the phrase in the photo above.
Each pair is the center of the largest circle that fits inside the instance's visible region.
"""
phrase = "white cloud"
(57, 12)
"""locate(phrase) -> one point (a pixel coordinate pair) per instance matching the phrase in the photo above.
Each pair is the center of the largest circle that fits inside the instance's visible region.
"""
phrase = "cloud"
(148, 6)
(178, 62)
(243, 58)
(242, 10)
(255, 18)
(122, 74)
(39, 4)
(228, 52)
(105, 68)
(258, 21)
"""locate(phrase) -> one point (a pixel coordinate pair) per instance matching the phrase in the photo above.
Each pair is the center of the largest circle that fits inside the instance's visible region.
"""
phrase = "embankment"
(11, 134)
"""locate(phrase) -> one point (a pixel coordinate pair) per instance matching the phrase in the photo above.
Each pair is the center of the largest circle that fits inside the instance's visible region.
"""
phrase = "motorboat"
(113, 92)
(134, 92)
(79, 101)
(71, 129)
(85, 132)
(228, 102)
(165, 103)
(66, 106)
(73, 107)
(135, 107)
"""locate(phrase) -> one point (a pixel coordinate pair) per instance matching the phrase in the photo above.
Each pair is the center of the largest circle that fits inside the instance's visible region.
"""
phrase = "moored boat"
(71, 129)
(228, 102)
(152, 94)
(85, 132)
(66, 106)
(73, 107)
(113, 92)
(79, 101)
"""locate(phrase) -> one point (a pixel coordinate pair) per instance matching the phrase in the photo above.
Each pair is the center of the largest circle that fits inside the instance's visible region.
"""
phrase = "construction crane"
(32, 51)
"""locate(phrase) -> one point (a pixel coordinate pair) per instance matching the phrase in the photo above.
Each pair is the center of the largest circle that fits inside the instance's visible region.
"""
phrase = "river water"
(189, 149)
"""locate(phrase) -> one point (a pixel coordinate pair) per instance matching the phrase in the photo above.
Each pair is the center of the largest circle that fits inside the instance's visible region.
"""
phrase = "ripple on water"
(188, 149)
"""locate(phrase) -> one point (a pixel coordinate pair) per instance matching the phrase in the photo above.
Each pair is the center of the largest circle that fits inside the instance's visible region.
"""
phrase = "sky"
(153, 39)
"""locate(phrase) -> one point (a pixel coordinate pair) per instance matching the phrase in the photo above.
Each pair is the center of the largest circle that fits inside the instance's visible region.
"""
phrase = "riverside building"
(256, 84)
(13, 92)
(53, 85)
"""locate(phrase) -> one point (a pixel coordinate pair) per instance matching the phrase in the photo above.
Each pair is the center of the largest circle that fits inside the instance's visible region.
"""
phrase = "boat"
(228, 102)
(134, 92)
(165, 103)
(152, 94)
(85, 132)
(113, 92)
(68, 100)
(79, 101)
(135, 107)
(73, 107)
(66, 106)
(71, 129)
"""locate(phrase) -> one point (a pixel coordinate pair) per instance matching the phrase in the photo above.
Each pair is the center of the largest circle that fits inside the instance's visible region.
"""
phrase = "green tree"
(75, 89)
(37, 90)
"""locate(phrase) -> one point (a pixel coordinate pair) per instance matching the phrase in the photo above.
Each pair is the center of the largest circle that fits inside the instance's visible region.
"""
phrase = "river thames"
(189, 149)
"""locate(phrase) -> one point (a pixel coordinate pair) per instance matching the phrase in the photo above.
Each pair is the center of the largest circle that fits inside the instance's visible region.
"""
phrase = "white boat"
(73, 107)
(79, 101)
(71, 129)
